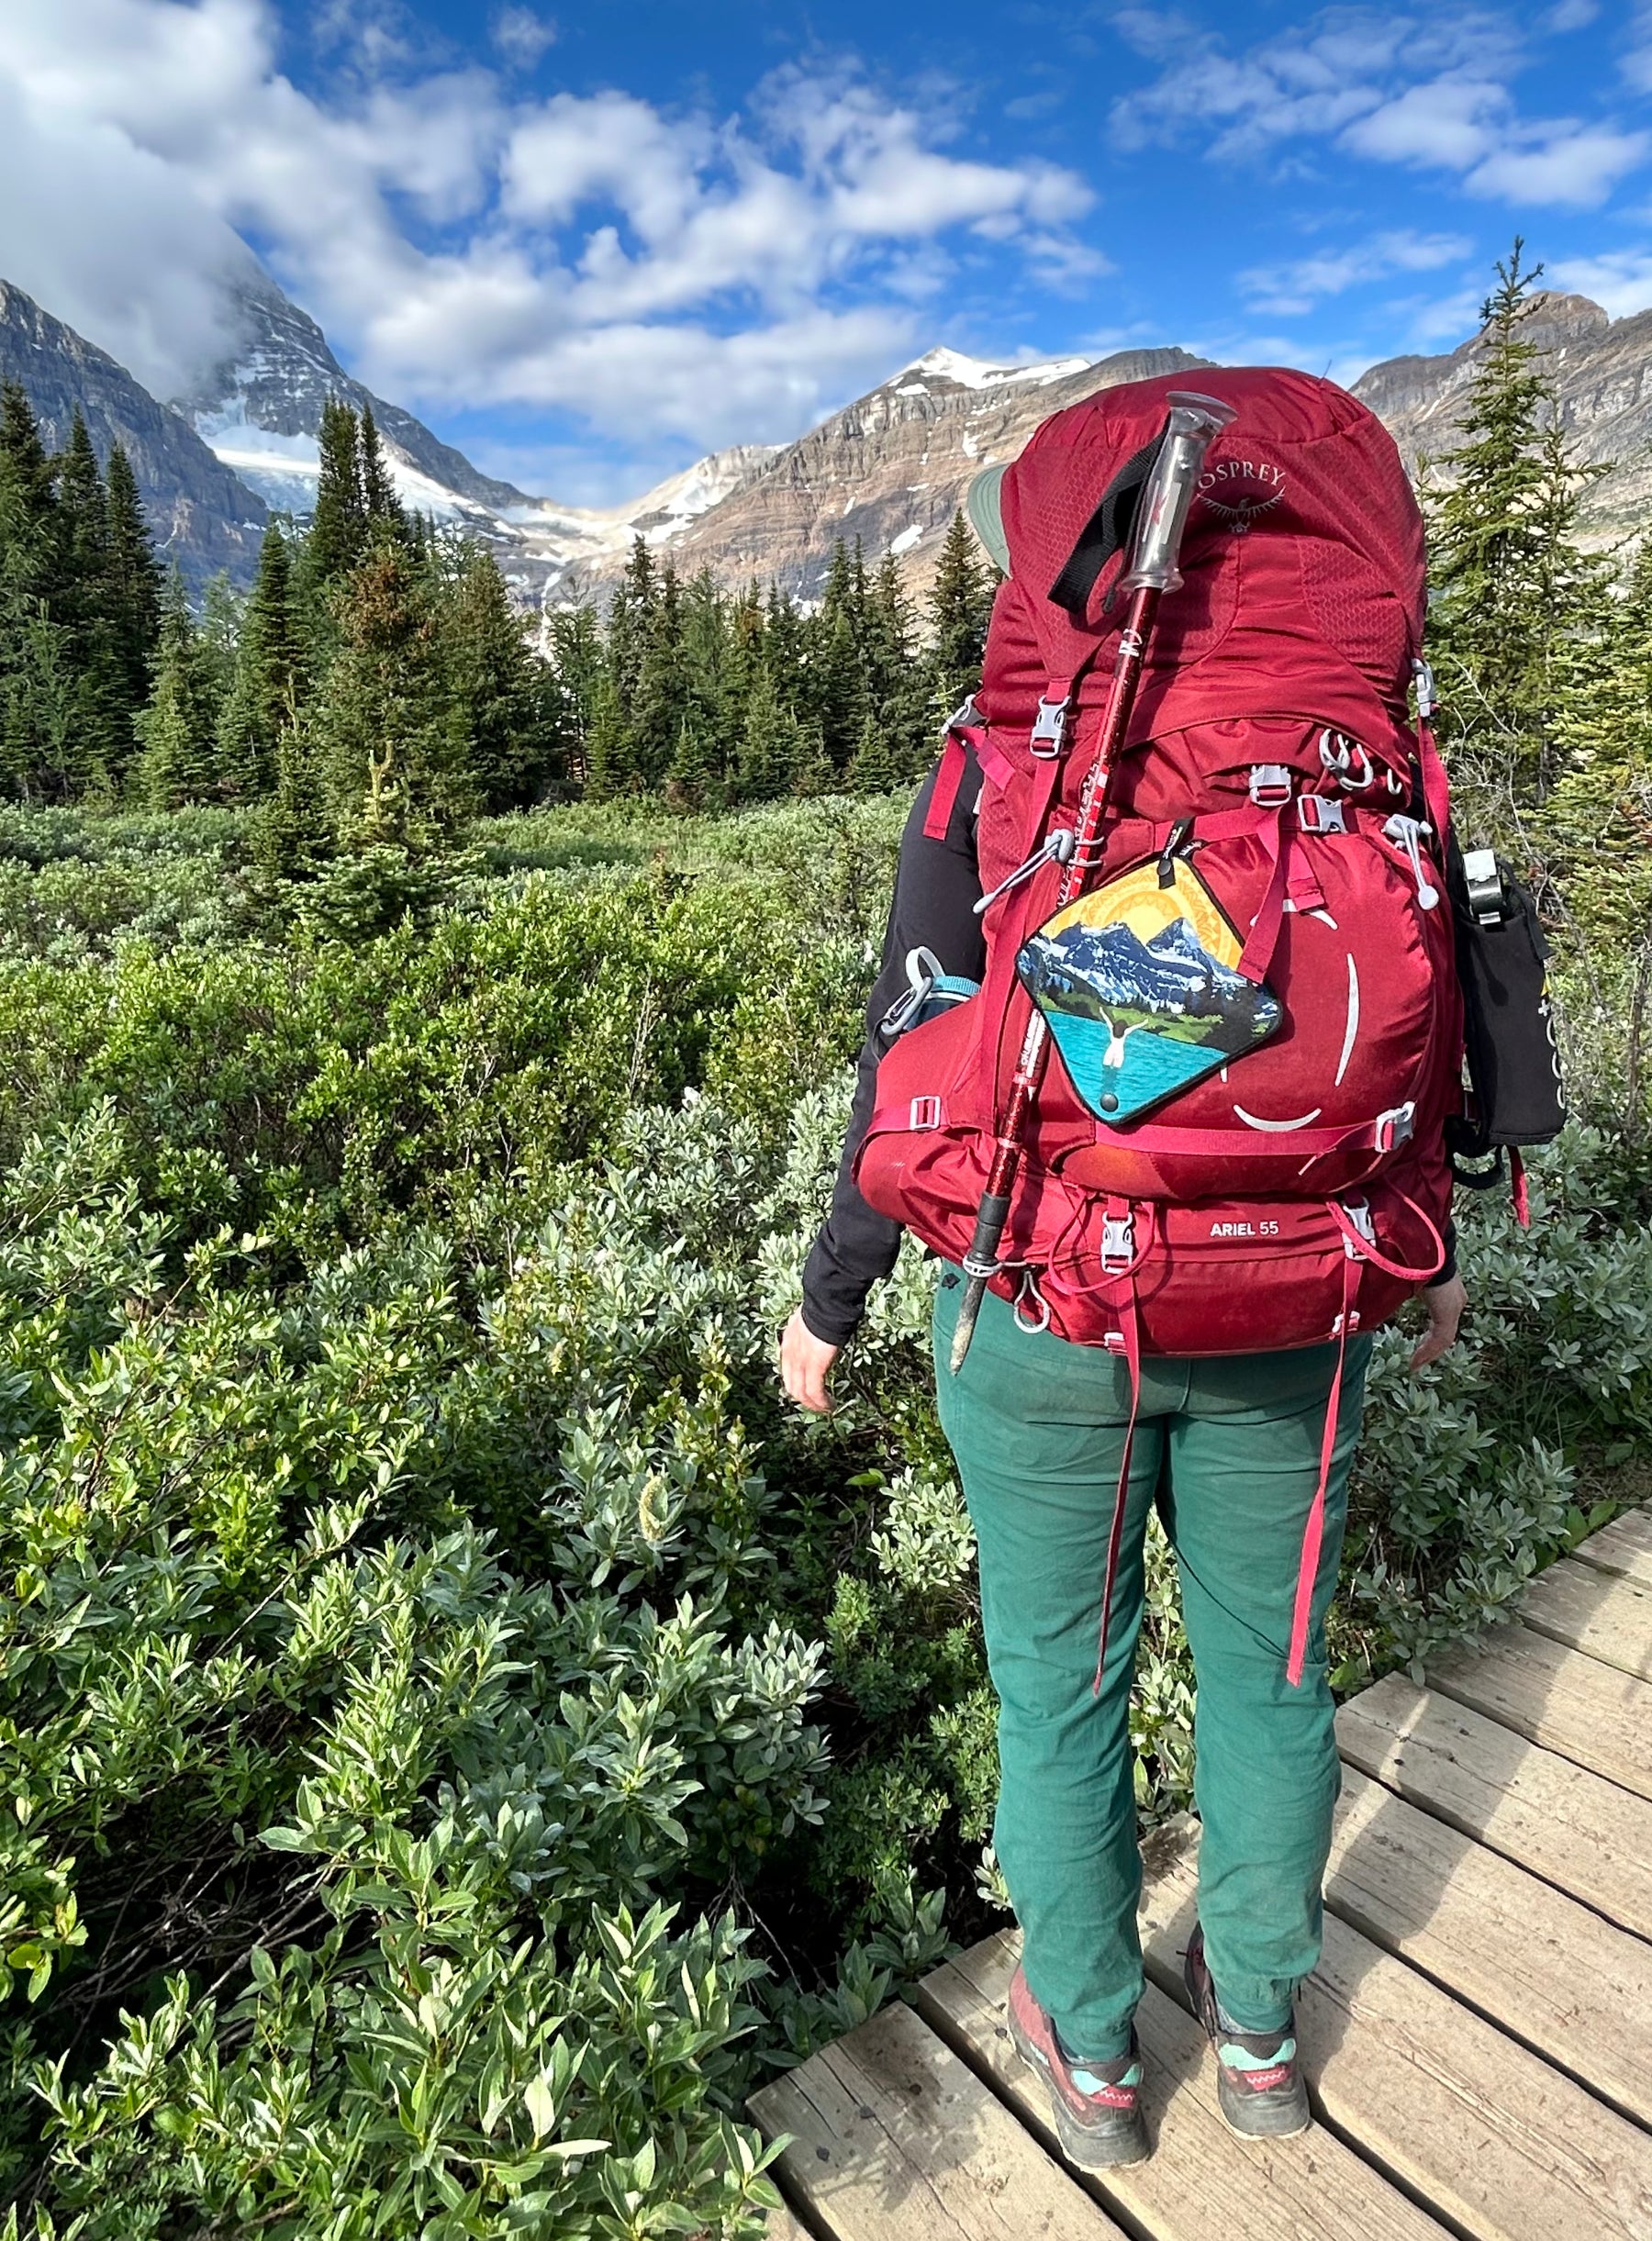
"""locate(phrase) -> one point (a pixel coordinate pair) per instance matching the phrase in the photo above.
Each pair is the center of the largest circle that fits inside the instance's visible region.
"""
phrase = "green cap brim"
(985, 512)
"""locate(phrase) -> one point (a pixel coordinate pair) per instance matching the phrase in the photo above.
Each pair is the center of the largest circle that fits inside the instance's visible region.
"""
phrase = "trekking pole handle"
(1194, 424)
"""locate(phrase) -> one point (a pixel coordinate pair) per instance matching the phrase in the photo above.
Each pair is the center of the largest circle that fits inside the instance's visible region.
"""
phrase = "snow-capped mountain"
(202, 516)
(891, 469)
(1172, 974)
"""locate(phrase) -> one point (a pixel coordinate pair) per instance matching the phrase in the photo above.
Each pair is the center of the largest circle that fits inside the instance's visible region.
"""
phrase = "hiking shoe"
(1259, 2084)
(1098, 2105)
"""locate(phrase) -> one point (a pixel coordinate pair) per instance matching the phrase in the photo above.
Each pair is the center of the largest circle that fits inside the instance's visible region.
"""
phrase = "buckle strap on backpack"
(1049, 727)
(964, 730)
(1314, 1531)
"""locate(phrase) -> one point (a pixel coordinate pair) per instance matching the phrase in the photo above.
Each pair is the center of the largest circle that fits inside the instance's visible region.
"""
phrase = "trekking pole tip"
(964, 1330)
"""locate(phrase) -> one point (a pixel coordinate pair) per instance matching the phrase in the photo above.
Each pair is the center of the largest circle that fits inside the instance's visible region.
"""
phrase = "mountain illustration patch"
(1138, 984)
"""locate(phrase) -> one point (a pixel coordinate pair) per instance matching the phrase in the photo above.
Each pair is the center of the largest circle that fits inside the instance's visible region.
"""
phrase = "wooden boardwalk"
(1478, 2037)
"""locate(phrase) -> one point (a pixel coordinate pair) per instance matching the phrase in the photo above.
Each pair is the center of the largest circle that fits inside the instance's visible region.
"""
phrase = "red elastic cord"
(1313, 1533)
(1517, 1186)
(1133, 1355)
(948, 779)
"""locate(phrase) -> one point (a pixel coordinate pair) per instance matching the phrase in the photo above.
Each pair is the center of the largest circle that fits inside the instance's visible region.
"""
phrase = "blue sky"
(589, 243)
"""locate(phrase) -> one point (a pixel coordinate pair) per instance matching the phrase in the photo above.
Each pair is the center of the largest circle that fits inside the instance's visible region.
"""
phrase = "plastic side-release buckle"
(1394, 1128)
(926, 1113)
(1359, 1214)
(1271, 785)
(1320, 813)
(1117, 1242)
(964, 716)
(1049, 725)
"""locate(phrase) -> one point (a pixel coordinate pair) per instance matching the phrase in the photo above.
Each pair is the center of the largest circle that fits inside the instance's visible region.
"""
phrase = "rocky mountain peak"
(203, 516)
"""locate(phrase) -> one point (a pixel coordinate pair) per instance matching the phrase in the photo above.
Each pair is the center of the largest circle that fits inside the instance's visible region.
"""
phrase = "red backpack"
(1300, 1191)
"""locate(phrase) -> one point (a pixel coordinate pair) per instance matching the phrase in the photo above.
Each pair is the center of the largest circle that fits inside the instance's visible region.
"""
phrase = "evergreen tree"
(835, 667)
(630, 621)
(338, 530)
(503, 699)
(960, 608)
(395, 766)
(695, 778)
(263, 699)
(875, 769)
(81, 602)
(1508, 576)
(177, 765)
(381, 507)
(770, 742)
(40, 731)
(660, 698)
(610, 763)
(134, 586)
(897, 687)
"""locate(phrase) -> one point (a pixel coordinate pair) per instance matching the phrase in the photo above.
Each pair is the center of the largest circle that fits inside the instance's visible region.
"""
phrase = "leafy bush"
(455, 1715)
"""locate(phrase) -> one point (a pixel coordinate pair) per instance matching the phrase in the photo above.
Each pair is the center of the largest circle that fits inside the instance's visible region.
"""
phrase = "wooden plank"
(1563, 1822)
(1496, 2142)
(1200, 2182)
(1586, 1711)
(1547, 1969)
(899, 2140)
(783, 2225)
(1603, 1616)
(1624, 1547)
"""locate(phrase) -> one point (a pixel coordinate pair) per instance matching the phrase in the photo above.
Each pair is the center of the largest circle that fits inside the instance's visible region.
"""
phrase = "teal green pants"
(1230, 1451)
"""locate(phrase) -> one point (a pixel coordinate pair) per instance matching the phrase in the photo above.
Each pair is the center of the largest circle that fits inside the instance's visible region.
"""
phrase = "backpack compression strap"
(1106, 532)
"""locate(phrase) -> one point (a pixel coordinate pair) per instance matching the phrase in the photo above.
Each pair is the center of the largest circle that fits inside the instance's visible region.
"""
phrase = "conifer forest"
(465, 1729)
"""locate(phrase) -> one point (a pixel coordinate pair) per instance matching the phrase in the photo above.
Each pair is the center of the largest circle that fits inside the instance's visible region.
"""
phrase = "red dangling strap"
(1313, 1533)
(948, 779)
(1131, 1334)
(1518, 1190)
(1275, 837)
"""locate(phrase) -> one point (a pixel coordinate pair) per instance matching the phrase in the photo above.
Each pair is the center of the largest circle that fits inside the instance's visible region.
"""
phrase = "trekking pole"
(1193, 425)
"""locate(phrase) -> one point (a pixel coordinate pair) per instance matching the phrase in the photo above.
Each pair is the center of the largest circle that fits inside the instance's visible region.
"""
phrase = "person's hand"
(805, 1366)
(1445, 1303)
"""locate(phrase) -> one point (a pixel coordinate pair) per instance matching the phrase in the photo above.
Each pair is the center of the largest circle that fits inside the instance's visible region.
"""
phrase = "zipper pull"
(1057, 848)
(1408, 834)
(1174, 846)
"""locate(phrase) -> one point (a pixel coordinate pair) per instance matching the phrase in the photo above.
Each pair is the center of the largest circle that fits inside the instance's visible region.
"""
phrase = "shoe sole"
(1091, 2150)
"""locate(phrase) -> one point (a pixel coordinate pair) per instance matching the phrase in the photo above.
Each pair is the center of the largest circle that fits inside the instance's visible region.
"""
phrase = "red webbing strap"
(948, 779)
(1275, 837)
(1517, 1187)
(1313, 1533)
(1436, 792)
(993, 761)
(1133, 1355)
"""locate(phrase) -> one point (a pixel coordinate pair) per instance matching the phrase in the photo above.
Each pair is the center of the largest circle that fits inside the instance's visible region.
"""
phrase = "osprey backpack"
(1239, 1142)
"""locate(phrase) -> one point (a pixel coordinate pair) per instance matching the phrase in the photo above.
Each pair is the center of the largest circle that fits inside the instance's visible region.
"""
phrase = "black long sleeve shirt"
(937, 886)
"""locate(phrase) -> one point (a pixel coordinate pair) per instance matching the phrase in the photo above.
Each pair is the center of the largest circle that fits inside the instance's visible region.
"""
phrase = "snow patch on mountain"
(944, 364)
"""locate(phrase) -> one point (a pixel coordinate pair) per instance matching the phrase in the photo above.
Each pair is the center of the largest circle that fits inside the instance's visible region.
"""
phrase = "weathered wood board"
(1200, 2182)
(1602, 1613)
(1565, 1824)
(1545, 1967)
(1591, 1714)
(899, 2140)
(1503, 2146)
(1624, 1546)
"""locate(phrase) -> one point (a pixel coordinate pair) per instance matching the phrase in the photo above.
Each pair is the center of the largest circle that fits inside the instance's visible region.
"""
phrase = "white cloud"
(1434, 92)
(656, 271)
(1288, 290)
(523, 37)
(1619, 281)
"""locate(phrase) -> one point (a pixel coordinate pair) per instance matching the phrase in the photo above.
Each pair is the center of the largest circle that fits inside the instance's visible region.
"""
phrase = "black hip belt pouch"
(1517, 1095)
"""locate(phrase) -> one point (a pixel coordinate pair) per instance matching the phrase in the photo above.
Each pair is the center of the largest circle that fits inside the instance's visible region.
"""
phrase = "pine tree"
(960, 607)
(40, 730)
(502, 697)
(394, 764)
(876, 768)
(1508, 576)
(338, 530)
(630, 620)
(177, 765)
(263, 700)
(134, 585)
(610, 763)
(897, 686)
(380, 506)
(81, 602)
(660, 698)
(836, 684)
(770, 742)
(694, 779)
